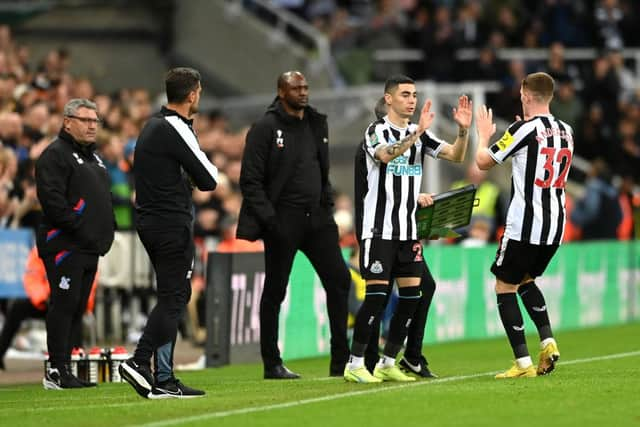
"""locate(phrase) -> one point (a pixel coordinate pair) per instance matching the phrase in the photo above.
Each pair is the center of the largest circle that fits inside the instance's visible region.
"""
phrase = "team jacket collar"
(277, 108)
(86, 149)
(169, 112)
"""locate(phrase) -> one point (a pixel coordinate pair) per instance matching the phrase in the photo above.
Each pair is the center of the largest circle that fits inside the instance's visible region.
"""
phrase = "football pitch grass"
(596, 383)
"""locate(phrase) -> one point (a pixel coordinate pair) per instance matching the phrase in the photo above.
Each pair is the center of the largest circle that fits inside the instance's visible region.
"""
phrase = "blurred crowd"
(31, 102)
(599, 98)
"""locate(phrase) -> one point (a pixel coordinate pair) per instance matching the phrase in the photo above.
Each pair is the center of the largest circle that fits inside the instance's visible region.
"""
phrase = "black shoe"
(420, 368)
(2, 367)
(280, 372)
(86, 383)
(59, 379)
(139, 376)
(173, 388)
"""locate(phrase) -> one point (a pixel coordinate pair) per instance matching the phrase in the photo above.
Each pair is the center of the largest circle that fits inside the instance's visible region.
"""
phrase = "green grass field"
(597, 383)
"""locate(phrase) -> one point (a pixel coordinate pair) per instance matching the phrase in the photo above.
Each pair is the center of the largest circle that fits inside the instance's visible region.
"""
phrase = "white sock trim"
(524, 362)
(355, 362)
(387, 362)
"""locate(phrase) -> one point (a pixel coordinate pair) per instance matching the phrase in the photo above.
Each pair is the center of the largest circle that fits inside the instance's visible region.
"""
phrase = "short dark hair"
(179, 82)
(540, 85)
(396, 80)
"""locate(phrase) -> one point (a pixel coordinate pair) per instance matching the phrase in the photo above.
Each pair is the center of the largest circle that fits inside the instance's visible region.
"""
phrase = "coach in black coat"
(77, 227)
(287, 201)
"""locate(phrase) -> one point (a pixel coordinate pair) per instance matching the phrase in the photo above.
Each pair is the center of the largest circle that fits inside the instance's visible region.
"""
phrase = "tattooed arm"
(387, 152)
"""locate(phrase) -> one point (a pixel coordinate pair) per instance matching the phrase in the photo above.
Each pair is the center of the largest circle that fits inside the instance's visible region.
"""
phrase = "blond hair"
(540, 86)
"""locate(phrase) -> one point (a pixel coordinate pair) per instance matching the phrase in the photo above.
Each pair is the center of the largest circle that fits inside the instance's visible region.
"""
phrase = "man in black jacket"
(288, 203)
(168, 160)
(77, 227)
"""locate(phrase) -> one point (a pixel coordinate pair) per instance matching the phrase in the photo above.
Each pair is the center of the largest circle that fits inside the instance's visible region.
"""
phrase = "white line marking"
(242, 411)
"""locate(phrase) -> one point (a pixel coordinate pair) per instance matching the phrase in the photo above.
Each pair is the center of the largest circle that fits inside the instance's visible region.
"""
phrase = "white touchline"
(242, 411)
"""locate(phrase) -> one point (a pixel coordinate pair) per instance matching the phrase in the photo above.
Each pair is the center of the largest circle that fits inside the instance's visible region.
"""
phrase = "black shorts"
(383, 259)
(514, 260)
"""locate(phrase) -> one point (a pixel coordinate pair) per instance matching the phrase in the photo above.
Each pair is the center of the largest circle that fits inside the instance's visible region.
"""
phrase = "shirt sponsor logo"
(400, 167)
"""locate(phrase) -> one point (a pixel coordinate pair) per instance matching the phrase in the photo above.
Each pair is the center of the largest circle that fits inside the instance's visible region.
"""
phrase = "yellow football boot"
(359, 375)
(391, 373)
(517, 372)
(549, 355)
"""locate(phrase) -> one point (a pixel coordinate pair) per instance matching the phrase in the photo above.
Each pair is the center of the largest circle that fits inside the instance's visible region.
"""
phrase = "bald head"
(293, 92)
(288, 77)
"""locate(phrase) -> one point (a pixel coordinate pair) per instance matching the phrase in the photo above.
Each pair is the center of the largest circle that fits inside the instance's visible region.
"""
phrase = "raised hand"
(464, 112)
(426, 117)
(484, 123)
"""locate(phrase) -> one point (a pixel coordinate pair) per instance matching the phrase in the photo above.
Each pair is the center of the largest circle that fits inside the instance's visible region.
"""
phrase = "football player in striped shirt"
(541, 147)
(394, 153)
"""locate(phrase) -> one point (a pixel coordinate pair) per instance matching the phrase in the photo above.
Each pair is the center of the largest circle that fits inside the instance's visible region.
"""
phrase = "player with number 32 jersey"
(541, 149)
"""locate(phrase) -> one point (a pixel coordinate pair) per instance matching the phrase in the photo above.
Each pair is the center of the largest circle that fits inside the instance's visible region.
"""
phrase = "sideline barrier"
(14, 250)
(587, 284)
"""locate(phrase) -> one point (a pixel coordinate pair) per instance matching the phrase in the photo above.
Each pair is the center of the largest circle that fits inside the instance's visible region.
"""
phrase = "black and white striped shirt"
(389, 198)
(542, 150)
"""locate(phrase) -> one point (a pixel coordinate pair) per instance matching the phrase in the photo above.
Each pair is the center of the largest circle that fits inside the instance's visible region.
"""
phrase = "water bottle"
(95, 358)
(83, 366)
(77, 354)
(117, 356)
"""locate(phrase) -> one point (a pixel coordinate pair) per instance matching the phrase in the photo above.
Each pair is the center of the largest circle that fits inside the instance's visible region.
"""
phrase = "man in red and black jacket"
(77, 228)
(288, 201)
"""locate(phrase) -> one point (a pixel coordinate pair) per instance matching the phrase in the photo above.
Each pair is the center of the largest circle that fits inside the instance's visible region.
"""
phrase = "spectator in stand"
(491, 207)
(628, 158)
(603, 87)
(565, 104)
(609, 20)
(230, 243)
(509, 99)
(469, 30)
(509, 25)
(558, 68)
(487, 67)
(112, 153)
(438, 43)
(596, 135)
(625, 76)
(598, 212)
(626, 227)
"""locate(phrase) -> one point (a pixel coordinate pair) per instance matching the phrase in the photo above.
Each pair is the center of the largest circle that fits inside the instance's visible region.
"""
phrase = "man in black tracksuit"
(77, 227)
(287, 201)
(167, 161)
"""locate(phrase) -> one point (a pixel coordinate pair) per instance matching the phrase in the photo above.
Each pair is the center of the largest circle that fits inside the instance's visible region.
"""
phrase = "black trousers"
(171, 251)
(316, 235)
(70, 280)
